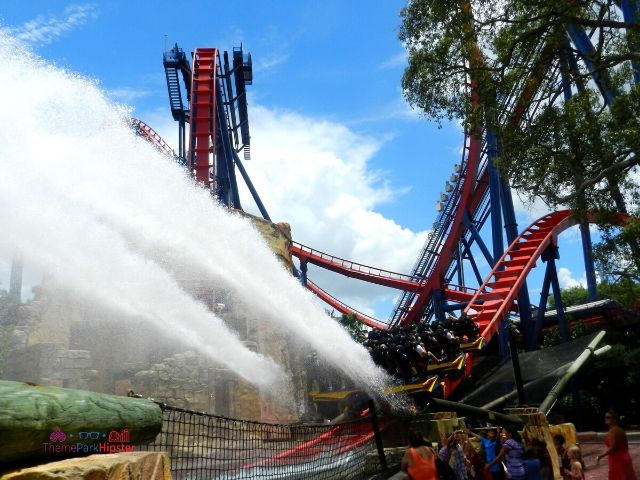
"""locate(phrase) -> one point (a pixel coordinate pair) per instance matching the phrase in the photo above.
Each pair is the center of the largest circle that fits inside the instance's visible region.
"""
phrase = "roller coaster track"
(490, 303)
(469, 197)
(442, 244)
(497, 294)
(454, 292)
(202, 134)
(150, 135)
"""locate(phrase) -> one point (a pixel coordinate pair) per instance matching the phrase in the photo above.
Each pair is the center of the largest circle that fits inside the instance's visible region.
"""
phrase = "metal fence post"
(378, 436)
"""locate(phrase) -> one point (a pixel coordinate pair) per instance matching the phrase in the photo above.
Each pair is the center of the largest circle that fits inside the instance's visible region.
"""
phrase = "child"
(577, 465)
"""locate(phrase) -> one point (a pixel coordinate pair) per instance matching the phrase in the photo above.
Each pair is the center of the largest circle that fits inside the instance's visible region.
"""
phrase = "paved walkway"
(590, 449)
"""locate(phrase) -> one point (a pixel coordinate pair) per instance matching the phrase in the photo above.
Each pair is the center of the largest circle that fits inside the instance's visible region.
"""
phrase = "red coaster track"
(202, 134)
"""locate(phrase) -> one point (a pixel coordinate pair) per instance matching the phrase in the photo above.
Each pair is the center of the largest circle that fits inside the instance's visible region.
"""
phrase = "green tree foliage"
(578, 153)
(355, 328)
(625, 292)
(8, 309)
(8, 319)
(608, 381)
(605, 381)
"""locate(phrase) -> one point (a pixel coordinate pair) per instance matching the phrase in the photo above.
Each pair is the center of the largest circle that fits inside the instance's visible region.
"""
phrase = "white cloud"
(397, 60)
(314, 174)
(269, 62)
(127, 95)
(528, 211)
(396, 109)
(566, 279)
(44, 30)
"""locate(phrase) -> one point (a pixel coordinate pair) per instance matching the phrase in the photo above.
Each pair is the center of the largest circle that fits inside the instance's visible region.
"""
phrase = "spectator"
(563, 458)
(491, 447)
(419, 460)
(577, 465)
(453, 454)
(532, 466)
(475, 465)
(512, 452)
(541, 452)
(620, 465)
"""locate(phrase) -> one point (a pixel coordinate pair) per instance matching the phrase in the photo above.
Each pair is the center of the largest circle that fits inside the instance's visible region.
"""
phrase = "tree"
(8, 309)
(573, 152)
(8, 319)
(352, 325)
(625, 292)
(606, 379)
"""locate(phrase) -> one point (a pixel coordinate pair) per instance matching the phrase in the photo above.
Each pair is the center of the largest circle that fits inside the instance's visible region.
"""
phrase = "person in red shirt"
(620, 465)
(419, 461)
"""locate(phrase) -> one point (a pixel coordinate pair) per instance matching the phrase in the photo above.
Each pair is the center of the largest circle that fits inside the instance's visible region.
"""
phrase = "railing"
(343, 307)
(303, 251)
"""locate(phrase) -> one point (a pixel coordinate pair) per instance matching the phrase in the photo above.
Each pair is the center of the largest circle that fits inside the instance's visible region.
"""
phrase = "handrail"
(309, 253)
(344, 308)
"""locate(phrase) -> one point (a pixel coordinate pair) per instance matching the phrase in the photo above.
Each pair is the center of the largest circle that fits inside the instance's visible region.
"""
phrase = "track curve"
(500, 289)
(150, 135)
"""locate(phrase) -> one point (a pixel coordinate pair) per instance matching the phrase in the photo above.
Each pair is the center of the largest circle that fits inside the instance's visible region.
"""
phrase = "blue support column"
(224, 162)
(252, 189)
(303, 273)
(630, 10)
(460, 266)
(227, 148)
(557, 296)
(589, 268)
(438, 305)
(565, 68)
(585, 233)
(468, 223)
(472, 261)
(534, 341)
(585, 48)
(496, 223)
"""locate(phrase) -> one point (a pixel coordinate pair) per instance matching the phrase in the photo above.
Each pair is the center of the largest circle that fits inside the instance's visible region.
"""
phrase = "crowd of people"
(503, 454)
(406, 352)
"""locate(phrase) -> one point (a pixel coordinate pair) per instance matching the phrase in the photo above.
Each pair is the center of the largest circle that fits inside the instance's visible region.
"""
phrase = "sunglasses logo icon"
(89, 435)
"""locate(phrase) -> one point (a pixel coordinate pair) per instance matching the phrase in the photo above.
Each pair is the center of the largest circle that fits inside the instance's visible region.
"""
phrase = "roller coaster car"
(348, 396)
(331, 404)
(477, 345)
(452, 366)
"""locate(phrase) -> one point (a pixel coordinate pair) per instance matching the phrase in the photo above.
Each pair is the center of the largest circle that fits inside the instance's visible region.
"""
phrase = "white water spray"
(114, 221)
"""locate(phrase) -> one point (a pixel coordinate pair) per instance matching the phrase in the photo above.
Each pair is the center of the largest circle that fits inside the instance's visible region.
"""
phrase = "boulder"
(37, 422)
(117, 466)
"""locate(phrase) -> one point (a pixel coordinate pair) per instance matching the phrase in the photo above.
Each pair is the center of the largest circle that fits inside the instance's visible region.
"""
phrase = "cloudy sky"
(336, 151)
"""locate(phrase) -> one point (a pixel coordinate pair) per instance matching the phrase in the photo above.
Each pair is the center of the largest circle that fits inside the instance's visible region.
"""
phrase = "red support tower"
(202, 136)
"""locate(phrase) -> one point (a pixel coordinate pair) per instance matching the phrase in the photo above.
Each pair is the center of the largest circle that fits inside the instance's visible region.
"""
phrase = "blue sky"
(336, 151)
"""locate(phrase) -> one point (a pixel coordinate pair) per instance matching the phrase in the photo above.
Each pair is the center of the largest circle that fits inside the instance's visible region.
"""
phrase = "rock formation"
(60, 341)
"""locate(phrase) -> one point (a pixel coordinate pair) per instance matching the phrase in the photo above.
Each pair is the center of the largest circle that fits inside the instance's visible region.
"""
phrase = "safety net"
(541, 369)
(205, 446)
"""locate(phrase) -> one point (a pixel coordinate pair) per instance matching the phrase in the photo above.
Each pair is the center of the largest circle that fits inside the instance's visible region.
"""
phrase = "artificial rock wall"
(63, 341)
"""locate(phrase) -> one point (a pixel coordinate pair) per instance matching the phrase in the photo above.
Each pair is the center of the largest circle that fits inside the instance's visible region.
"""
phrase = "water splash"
(115, 221)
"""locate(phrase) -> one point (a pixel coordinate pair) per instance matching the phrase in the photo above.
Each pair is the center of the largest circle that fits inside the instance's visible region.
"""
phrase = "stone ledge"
(117, 466)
